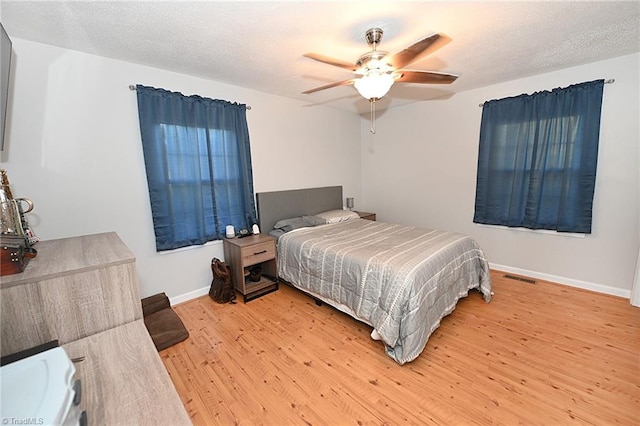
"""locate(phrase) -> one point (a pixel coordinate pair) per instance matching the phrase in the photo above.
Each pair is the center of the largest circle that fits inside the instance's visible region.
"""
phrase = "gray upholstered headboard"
(276, 205)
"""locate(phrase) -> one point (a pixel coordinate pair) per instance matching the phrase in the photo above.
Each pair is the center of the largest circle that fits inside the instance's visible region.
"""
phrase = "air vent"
(517, 278)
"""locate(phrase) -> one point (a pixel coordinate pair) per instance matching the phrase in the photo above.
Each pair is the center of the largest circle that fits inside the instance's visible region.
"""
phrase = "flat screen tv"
(5, 68)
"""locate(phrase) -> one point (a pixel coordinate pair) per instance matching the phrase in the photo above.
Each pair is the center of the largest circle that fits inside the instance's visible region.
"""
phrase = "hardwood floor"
(540, 353)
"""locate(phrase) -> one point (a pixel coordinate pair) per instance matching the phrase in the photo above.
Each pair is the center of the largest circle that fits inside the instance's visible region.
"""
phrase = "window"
(537, 159)
(198, 166)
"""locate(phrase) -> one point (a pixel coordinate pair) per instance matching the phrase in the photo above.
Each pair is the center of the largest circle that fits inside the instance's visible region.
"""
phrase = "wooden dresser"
(83, 292)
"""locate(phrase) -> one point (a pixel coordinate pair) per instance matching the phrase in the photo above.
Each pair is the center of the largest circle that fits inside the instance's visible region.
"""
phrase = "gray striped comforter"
(400, 280)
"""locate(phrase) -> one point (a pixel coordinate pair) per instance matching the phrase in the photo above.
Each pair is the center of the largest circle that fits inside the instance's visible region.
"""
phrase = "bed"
(400, 280)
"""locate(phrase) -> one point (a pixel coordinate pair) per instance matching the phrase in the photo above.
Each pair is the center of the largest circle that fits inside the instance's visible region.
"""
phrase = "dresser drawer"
(258, 253)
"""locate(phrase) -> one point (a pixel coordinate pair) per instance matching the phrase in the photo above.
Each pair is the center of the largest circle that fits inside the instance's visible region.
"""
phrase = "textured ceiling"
(259, 45)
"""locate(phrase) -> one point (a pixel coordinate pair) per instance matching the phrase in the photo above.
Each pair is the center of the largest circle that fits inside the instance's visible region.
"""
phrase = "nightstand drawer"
(258, 253)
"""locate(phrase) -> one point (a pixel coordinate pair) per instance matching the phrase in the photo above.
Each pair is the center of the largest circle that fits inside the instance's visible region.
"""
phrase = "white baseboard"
(614, 291)
(547, 277)
(188, 296)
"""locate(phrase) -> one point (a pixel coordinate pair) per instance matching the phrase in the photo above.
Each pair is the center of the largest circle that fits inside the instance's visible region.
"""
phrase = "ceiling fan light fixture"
(376, 71)
(374, 86)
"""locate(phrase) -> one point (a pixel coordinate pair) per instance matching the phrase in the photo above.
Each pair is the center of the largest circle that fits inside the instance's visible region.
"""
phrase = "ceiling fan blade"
(330, 61)
(426, 77)
(423, 47)
(328, 86)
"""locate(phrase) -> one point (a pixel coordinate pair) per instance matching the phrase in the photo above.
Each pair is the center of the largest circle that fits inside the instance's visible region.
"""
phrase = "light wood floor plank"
(537, 354)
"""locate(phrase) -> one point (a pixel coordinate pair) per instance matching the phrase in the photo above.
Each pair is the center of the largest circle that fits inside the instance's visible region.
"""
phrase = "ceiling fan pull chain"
(372, 103)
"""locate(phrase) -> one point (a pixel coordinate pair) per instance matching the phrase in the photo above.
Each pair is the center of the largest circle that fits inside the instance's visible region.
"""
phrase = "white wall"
(420, 169)
(74, 149)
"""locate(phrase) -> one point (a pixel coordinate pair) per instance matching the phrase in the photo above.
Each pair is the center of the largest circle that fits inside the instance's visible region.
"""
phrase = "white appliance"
(41, 390)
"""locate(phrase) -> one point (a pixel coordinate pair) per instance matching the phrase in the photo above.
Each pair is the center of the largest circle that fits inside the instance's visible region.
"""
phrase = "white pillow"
(335, 216)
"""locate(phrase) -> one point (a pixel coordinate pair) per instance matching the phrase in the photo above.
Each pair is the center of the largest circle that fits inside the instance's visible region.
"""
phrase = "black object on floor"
(164, 325)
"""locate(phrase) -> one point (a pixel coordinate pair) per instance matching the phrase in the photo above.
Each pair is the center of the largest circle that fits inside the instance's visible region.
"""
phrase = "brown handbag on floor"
(222, 289)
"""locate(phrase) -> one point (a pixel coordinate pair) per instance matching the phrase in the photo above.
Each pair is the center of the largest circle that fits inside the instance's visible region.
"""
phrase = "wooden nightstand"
(242, 254)
(367, 216)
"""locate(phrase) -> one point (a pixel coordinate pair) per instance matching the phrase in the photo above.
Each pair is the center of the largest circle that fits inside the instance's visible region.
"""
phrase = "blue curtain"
(537, 159)
(198, 163)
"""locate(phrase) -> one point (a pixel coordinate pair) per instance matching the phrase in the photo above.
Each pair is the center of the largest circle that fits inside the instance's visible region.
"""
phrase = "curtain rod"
(133, 87)
(611, 80)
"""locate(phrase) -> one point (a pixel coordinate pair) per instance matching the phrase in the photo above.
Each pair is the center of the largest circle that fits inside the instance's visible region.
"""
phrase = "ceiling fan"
(376, 71)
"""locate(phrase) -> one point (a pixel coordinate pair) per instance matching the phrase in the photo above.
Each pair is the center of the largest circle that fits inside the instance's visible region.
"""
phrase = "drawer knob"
(260, 252)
